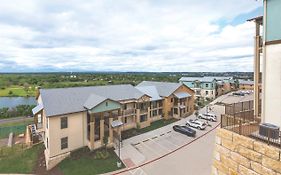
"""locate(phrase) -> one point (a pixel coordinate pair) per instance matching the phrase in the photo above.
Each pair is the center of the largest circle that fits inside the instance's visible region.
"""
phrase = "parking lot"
(152, 150)
(169, 140)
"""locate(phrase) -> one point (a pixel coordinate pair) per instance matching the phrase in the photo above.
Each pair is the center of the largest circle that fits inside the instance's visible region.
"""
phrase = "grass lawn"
(16, 92)
(18, 160)
(85, 162)
(157, 124)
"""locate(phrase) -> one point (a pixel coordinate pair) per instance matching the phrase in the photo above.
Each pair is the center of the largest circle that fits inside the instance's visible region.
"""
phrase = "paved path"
(14, 119)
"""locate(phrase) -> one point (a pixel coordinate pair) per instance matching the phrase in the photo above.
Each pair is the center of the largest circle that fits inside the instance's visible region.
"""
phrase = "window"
(154, 104)
(172, 99)
(175, 110)
(64, 143)
(207, 85)
(125, 120)
(63, 122)
(160, 112)
(47, 142)
(154, 113)
(125, 106)
(106, 103)
(212, 92)
(160, 103)
(47, 123)
(143, 118)
(207, 92)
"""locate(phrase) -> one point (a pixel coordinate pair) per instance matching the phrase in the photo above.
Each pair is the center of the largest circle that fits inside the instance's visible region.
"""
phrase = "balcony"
(129, 112)
(240, 118)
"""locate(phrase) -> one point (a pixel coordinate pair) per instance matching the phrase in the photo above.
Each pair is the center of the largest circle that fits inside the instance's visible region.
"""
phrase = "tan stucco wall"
(76, 133)
(246, 87)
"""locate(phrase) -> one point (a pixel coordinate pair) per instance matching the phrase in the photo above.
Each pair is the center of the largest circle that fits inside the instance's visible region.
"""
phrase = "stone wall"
(235, 154)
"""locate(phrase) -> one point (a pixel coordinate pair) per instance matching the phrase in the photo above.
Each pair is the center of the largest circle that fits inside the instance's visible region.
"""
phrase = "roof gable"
(164, 89)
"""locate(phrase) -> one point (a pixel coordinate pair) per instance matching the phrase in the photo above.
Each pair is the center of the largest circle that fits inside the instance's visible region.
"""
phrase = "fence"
(240, 118)
(6, 130)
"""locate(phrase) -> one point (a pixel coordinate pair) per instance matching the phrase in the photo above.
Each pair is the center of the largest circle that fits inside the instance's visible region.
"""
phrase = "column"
(92, 134)
(101, 128)
(110, 130)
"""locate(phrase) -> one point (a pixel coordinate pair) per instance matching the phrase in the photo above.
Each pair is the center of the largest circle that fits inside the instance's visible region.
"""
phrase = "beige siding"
(76, 133)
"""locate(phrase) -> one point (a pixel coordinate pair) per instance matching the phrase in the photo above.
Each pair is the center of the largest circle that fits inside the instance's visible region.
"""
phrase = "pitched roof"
(37, 109)
(204, 79)
(93, 101)
(182, 95)
(69, 100)
(151, 91)
(248, 82)
(164, 88)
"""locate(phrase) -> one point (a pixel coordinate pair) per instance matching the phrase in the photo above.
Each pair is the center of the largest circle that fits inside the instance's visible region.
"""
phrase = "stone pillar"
(138, 116)
(101, 129)
(92, 135)
(148, 115)
(110, 130)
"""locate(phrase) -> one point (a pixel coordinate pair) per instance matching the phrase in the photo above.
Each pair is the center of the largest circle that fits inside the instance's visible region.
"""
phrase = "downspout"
(264, 60)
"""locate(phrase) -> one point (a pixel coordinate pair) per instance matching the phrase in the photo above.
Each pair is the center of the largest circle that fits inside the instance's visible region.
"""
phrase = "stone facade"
(235, 154)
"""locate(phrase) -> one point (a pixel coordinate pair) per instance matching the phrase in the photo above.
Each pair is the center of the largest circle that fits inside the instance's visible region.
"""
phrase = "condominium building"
(209, 87)
(71, 118)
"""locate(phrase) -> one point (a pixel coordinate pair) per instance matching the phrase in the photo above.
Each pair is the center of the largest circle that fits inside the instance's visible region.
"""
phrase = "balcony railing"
(240, 118)
(129, 112)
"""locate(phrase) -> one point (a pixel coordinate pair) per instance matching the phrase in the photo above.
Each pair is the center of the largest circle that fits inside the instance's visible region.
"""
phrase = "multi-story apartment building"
(178, 99)
(250, 143)
(271, 67)
(246, 84)
(208, 87)
(71, 118)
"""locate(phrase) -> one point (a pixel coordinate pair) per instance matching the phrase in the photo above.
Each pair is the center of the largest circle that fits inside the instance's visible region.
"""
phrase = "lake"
(15, 101)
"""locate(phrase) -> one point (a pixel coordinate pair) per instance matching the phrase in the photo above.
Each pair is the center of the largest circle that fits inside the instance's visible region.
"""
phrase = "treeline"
(18, 111)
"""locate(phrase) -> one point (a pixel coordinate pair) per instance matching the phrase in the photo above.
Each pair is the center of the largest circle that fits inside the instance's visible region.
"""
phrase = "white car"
(208, 116)
(196, 124)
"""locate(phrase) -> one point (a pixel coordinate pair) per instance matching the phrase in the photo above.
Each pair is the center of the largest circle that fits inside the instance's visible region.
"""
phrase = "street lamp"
(117, 124)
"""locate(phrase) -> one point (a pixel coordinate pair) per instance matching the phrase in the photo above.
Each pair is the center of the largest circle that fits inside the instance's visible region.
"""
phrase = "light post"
(117, 124)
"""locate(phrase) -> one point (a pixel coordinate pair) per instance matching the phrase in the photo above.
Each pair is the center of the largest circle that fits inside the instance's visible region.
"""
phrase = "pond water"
(15, 101)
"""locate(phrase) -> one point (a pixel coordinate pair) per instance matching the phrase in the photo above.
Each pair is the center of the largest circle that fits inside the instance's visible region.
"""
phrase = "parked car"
(185, 130)
(208, 116)
(196, 124)
(238, 94)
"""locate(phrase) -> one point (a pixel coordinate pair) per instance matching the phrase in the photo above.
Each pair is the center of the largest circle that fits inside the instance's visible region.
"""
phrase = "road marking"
(152, 150)
(133, 172)
(161, 146)
(171, 143)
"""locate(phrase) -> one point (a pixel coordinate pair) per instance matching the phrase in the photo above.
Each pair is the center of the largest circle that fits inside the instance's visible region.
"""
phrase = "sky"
(127, 35)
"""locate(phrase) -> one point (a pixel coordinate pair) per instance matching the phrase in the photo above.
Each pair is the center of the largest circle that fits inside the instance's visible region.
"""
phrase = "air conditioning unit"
(269, 130)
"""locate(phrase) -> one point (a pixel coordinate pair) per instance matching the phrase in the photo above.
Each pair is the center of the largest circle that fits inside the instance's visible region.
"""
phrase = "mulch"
(40, 167)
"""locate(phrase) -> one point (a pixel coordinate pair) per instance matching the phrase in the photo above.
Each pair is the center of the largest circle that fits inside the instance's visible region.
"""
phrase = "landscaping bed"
(86, 162)
(154, 125)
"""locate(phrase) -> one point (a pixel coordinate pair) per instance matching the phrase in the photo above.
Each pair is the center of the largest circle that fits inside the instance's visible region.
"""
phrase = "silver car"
(196, 124)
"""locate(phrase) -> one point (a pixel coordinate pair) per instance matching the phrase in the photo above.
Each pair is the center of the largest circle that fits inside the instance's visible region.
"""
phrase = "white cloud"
(126, 35)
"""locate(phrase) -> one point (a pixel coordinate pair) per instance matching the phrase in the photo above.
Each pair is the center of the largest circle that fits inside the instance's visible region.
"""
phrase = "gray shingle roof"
(151, 91)
(182, 95)
(164, 88)
(204, 79)
(93, 101)
(69, 100)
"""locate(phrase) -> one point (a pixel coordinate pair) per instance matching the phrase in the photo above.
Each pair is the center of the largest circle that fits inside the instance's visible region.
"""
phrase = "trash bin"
(269, 130)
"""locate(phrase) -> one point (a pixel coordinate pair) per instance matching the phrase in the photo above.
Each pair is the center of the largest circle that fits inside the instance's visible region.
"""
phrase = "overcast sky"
(127, 35)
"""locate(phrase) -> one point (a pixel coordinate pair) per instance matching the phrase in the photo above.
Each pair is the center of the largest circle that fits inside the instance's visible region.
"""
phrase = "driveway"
(164, 151)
